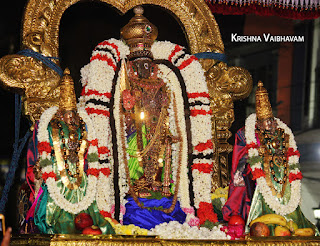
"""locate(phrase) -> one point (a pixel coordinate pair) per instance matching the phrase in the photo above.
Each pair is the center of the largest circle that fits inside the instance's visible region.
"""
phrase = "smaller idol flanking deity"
(266, 153)
(63, 168)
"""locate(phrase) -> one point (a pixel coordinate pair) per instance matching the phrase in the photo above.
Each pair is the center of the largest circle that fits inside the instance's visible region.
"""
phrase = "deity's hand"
(128, 100)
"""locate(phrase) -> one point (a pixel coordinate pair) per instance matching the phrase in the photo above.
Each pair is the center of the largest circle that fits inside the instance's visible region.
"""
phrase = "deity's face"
(268, 125)
(71, 118)
(143, 67)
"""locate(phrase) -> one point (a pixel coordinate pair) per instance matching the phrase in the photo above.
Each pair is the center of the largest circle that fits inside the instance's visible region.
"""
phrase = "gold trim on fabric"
(60, 161)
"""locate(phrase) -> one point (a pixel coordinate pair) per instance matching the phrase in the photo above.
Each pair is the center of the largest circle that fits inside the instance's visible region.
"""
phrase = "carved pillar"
(226, 84)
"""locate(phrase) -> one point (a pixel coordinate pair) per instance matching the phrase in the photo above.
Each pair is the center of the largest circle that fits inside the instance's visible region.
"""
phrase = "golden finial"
(139, 34)
(138, 10)
(68, 99)
(263, 106)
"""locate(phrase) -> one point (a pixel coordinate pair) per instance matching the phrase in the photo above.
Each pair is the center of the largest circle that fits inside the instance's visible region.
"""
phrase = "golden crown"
(263, 106)
(139, 34)
(68, 99)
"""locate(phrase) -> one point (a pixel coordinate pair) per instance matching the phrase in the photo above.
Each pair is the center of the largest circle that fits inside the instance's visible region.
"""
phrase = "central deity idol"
(145, 101)
(150, 105)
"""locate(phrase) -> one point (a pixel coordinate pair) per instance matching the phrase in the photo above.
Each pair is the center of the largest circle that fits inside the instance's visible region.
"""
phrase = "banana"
(304, 232)
(271, 219)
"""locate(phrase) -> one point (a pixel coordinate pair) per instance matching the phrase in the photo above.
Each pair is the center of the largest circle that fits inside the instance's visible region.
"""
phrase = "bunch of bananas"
(284, 225)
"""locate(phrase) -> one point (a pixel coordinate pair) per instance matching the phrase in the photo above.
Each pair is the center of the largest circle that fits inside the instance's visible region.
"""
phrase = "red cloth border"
(227, 9)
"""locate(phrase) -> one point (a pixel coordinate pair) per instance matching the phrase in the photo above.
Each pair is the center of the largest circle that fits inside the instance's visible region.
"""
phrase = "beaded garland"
(276, 147)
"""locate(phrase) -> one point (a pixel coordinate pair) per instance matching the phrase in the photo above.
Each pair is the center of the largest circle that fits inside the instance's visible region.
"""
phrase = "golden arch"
(42, 19)
(39, 85)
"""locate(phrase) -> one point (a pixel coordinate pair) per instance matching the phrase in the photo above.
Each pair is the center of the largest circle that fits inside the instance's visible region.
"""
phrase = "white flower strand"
(98, 75)
(295, 186)
(172, 81)
(44, 121)
(63, 203)
(53, 189)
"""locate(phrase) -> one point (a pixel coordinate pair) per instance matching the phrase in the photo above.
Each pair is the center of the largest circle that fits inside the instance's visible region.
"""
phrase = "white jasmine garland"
(172, 82)
(45, 119)
(63, 203)
(200, 124)
(98, 75)
(295, 186)
(53, 189)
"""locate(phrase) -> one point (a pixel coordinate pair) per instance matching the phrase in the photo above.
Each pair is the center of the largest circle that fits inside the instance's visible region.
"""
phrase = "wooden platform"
(106, 240)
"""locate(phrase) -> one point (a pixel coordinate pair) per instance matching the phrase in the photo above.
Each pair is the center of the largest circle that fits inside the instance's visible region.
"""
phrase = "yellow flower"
(220, 192)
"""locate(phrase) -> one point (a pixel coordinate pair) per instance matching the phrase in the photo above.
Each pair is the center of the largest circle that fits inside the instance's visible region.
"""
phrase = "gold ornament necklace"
(131, 188)
(275, 146)
(62, 159)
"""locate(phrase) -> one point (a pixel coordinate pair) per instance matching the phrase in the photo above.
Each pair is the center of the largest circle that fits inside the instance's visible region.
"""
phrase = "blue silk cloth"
(149, 218)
